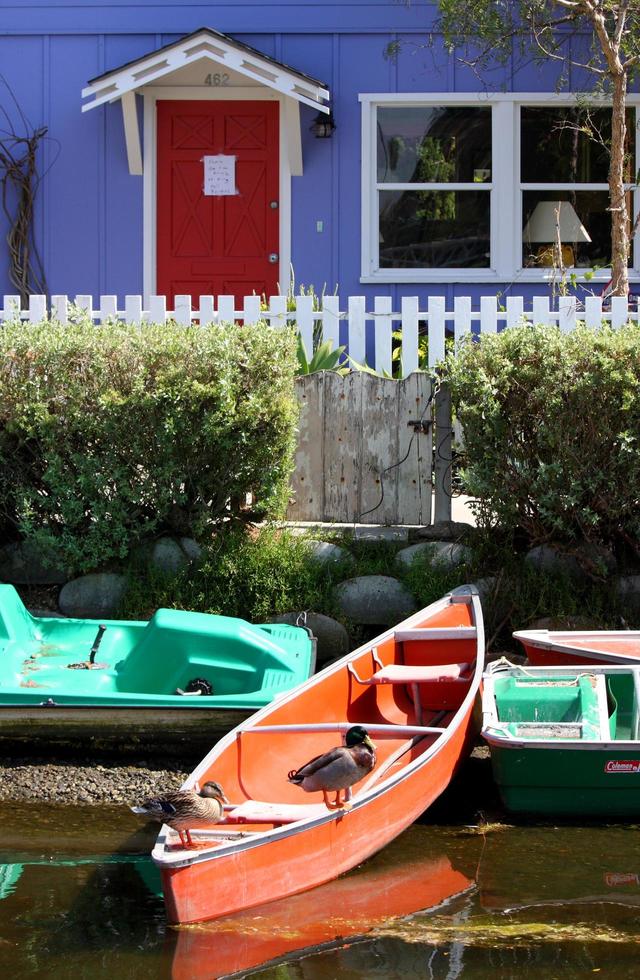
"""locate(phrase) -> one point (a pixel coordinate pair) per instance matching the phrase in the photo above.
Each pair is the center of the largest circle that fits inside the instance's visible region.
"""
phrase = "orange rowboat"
(548, 648)
(413, 688)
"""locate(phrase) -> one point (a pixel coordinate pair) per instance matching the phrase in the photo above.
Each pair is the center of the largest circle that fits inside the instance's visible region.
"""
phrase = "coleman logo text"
(620, 765)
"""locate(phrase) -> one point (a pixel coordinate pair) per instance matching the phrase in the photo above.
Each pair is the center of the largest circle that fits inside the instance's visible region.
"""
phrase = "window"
(466, 188)
(563, 174)
(433, 183)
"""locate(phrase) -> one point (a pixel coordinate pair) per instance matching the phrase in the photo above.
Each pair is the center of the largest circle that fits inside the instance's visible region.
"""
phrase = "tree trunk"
(620, 243)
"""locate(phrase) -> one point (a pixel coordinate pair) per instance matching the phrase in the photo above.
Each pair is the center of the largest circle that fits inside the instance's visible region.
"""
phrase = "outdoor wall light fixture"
(323, 126)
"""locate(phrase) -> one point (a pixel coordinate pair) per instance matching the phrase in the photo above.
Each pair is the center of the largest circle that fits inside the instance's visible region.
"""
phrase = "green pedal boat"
(182, 674)
(564, 741)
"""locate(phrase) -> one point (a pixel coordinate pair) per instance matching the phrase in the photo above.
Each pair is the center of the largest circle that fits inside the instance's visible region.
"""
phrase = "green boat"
(187, 672)
(564, 741)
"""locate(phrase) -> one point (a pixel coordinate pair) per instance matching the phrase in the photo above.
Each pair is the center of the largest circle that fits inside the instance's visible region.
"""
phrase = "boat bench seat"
(439, 676)
(254, 811)
(401, 674)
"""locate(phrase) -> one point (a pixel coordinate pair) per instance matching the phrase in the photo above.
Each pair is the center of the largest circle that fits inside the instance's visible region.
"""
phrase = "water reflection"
(413, 873)
(80, 898)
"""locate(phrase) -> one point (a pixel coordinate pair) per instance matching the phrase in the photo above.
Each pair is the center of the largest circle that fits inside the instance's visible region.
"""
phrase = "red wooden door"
(217, 244)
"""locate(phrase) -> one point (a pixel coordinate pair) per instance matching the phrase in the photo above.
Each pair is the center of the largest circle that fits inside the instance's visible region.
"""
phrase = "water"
(79, 898)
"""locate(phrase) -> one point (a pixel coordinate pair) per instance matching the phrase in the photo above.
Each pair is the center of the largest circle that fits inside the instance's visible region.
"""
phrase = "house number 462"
(219, 78)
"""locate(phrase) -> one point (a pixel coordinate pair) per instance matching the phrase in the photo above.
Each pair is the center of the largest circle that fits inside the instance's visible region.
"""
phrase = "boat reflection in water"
(392, 884)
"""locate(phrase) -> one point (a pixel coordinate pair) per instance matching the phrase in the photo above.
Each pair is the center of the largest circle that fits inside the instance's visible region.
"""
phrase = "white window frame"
(505, 189)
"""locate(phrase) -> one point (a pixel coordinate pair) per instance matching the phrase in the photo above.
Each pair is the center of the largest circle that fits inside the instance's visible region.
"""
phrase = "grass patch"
(251, 576)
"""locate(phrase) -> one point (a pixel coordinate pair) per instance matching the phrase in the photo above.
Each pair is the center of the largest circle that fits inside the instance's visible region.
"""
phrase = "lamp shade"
(549, 215)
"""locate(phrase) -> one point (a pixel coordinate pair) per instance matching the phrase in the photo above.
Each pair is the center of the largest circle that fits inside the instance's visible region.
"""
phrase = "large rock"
(627, 590)
(596, 560)
(445, 555)
(585, 561)
(377, 600)
(547, 558)
(485, 587)
(380, 532)
(45, 613)
(445, 531)
(563, 623)
(170, 555)
(22, 563)
(332, 637)
(323, 552)
(95, 596)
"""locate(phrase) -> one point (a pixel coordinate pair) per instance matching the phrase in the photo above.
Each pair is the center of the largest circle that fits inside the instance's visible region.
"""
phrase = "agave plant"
(324, 358)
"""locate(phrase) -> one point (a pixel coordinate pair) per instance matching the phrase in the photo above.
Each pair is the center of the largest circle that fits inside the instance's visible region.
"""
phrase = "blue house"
(211, 148)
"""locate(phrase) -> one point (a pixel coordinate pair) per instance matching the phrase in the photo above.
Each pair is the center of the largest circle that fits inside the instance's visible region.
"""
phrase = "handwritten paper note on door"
(219, 175)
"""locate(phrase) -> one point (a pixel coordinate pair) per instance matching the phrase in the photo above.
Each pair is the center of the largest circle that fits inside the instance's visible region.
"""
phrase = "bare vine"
(19, 180)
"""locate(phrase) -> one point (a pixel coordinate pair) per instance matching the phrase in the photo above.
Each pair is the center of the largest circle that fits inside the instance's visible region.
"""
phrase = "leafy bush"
(551, 424)
(110, 433)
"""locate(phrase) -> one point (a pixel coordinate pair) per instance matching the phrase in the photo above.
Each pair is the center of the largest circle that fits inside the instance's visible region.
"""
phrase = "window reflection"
(434, 229)
(566, 145)
(441, 144)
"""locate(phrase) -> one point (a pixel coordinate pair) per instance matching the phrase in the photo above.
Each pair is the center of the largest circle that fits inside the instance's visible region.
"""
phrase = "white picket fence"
(361, 339)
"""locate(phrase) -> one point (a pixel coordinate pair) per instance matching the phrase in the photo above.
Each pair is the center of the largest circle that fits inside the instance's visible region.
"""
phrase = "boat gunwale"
(542, 640)
(573, 744)
(182, 859)
(490, 730)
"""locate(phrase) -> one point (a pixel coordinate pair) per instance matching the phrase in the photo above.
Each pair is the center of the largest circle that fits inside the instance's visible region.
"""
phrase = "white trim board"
(216, 48)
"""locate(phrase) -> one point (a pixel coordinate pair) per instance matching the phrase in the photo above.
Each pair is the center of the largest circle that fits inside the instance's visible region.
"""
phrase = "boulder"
(494, 599)
(445, 531)
(95, 596)
(596, 560)
(170, 555)
(323, 552)
(627, 589)
(585, 561)
(22, 563)
(332, 637)
(380, 532)
(378, 600)
(443, 554)
(486, 587)
(578, 622)
(547, 558)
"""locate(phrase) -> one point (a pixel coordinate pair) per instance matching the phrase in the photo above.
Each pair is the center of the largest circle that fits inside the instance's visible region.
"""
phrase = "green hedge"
(551, 426)
(111, 433)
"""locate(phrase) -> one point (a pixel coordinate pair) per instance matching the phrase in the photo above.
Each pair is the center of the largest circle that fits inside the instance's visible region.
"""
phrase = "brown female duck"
(182, 810)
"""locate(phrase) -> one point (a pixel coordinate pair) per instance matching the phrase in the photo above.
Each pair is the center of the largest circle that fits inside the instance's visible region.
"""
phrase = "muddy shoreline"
(74, 781)
(77, 780)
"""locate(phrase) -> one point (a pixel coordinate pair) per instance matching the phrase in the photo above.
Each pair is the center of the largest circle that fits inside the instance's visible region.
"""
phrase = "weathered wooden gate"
(366, 450)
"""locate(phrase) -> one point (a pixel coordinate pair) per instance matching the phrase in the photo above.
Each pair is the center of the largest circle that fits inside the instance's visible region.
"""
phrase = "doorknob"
(273, 257)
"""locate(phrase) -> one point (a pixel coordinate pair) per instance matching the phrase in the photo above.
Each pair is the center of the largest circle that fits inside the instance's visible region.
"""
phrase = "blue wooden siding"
(89, 212)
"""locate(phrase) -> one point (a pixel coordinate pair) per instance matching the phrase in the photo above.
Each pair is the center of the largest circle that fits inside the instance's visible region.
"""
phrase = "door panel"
(213, 245)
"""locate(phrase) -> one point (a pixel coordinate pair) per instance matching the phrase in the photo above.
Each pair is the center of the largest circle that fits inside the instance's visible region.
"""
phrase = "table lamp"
(550, 220)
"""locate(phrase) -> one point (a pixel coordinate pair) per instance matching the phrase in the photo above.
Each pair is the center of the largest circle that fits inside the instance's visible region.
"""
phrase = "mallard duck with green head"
(338, 769)
(185, 809)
